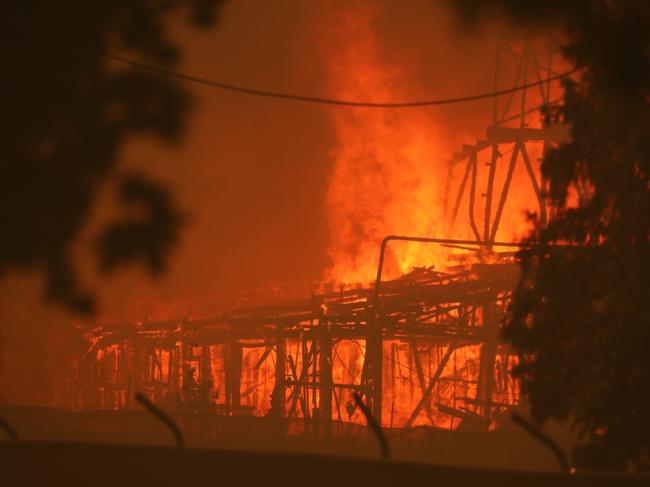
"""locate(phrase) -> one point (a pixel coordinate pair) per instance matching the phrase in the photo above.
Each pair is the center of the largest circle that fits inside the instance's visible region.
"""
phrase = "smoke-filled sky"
(254, 175)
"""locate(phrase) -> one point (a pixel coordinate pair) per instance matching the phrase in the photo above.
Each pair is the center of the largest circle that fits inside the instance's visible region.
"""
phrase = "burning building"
(421, 347)
(439, 346)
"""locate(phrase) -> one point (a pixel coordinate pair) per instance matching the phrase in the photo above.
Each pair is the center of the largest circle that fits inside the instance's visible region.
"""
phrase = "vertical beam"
(278, 400)
(472, 197)
(232, 355)
(487, 360)
(187, 393)
(136, 372)
(393, 363)
(157, 353)
(236, 359)
(373, 361)
(227, 400)
(304, 375)
(206, 377)
(173, 375)
(315, 389)
(488, 195)
(90, 382)
(325, 366)
(123, 378)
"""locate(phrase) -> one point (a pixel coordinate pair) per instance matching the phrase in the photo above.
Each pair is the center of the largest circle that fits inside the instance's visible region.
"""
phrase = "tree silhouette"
(68, 110)
(581, 315)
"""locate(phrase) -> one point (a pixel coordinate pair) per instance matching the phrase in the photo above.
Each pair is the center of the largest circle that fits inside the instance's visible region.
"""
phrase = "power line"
(330, 101)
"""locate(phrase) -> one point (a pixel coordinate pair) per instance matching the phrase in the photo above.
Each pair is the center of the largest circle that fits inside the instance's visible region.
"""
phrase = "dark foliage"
(581, 315)
(67, 112)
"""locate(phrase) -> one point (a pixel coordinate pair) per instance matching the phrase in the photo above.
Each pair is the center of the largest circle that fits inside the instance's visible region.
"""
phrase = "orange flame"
(385, 178)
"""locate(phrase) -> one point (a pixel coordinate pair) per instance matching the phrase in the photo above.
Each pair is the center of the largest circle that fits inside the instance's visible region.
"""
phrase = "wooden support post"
(174, 381)
(304, 376)
(158, 366)
(136, 371)
(472, 197)
(186, 370)
(486, 365)
(227, 400)
(232, 370)
(315, 385)
(488, 195)
(278, 400)
(236, 359)
(123, 375)
(374, 358)
(206, 385)
(325, 367)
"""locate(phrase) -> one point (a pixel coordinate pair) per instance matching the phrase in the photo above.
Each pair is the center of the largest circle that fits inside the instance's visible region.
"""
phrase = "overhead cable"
(330, 101)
